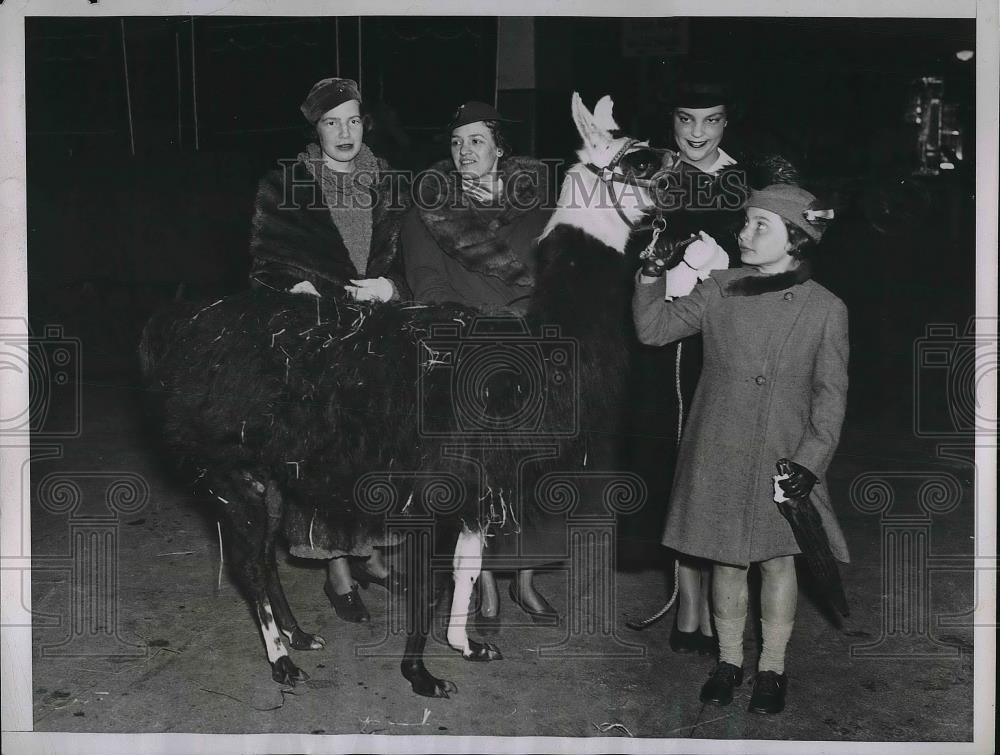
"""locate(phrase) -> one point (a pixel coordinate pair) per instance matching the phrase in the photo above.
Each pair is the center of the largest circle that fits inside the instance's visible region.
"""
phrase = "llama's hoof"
(423, 683)
(304, 641)
(433, 687)
(483, 651)
(283, 671)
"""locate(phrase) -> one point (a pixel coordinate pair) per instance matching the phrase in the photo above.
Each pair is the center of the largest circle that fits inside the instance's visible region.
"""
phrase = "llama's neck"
(587, 203)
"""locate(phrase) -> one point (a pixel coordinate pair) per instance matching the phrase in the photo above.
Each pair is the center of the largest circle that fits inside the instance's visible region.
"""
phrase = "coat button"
(760, 380)
(789, 296)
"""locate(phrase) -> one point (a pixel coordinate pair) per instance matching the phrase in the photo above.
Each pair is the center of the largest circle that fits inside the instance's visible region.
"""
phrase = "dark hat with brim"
(702, 94)
(328, 94)
(474, 111)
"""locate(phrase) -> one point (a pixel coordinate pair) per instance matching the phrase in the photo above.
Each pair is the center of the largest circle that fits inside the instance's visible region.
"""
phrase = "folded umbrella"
(811, 537)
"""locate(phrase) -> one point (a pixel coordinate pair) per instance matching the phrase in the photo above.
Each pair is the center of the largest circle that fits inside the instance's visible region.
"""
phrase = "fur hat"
(328, 94)
(795, 205)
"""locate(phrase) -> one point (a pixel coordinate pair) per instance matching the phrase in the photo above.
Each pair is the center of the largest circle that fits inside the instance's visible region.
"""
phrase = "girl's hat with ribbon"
(794, 204)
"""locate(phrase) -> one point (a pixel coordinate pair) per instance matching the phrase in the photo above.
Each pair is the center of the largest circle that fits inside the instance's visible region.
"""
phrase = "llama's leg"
(466, 565)
(297, 638)
(419, 597)
(283, 670)
(247, 536)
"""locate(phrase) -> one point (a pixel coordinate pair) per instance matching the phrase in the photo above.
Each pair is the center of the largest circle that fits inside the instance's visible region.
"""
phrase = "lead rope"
(643, 623)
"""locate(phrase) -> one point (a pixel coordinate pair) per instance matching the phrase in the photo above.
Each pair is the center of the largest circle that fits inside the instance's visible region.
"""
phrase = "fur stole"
(293, 228)
(476, 234)
(755, 285)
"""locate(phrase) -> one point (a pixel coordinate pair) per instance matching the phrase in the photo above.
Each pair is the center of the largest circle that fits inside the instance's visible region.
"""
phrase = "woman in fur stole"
(470, 239)
(328, 224)
(773, 386)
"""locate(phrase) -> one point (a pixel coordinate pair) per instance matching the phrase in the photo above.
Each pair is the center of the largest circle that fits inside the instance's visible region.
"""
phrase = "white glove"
(371, 289)
(779, 494)
(705, 255)
(304, 287)
(700, 259)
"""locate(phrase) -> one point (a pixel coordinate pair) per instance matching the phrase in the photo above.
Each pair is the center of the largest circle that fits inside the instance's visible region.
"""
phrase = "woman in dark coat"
(470, 239)
(328, 224)
(705, 192)
(773, 386)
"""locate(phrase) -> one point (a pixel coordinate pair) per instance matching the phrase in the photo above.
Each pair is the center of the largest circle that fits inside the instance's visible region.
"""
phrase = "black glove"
(666, 255)
(800, 480)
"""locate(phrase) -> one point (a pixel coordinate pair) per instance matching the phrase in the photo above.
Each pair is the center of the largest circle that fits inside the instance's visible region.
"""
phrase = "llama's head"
(609, 190)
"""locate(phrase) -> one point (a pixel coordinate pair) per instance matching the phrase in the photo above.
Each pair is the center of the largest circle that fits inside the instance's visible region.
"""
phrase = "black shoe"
(546, 615)
(349, 607)
(691, 642)
(393, 582)
(768, 693)
(721, 683)
(487, 624)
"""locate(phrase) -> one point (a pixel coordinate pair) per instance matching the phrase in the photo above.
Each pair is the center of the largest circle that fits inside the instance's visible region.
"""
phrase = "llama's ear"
(581, 116)
(590, 132)
(602, 114)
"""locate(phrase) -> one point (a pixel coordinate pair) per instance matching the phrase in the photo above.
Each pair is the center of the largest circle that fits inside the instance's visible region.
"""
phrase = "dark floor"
(188, 657)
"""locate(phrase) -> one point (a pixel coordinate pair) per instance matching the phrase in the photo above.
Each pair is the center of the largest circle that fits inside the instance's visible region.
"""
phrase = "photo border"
(16, 677)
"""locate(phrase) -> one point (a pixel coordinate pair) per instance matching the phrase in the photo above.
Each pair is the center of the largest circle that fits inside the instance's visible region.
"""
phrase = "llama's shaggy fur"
(286, 404)
(315, 394)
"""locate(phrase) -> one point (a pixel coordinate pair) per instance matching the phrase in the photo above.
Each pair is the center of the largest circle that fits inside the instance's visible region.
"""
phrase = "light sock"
(775, 636)
(730, 634)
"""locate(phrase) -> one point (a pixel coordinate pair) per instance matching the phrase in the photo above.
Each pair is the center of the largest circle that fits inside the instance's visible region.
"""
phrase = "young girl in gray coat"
(774, 385)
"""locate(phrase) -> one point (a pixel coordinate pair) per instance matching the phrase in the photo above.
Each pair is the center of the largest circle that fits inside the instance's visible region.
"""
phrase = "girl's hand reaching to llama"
(701, 257)
(705, 255)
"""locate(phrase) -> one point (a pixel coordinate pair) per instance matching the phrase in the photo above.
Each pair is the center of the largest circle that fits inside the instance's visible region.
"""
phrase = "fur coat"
(293, 237)
(459, 250)
(773, 385)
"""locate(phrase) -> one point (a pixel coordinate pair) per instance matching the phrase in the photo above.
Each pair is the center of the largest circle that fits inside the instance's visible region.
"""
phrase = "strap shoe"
(349, 607)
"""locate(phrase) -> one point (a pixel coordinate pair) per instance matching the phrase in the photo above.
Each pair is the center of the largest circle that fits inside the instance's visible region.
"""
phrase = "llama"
(289, 406)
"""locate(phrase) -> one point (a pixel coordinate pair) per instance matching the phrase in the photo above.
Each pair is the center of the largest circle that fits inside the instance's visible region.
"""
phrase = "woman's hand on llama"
(371, 289)
(663, 254)
(304, 287)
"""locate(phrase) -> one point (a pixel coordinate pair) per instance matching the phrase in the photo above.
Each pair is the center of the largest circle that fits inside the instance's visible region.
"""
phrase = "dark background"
(146, 137)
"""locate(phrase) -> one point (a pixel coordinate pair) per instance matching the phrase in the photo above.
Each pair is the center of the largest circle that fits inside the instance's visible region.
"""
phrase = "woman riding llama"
(326, 223)
(471, 240)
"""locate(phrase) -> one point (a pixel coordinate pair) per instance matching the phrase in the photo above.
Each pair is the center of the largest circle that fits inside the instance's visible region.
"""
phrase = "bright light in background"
(964, 55)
